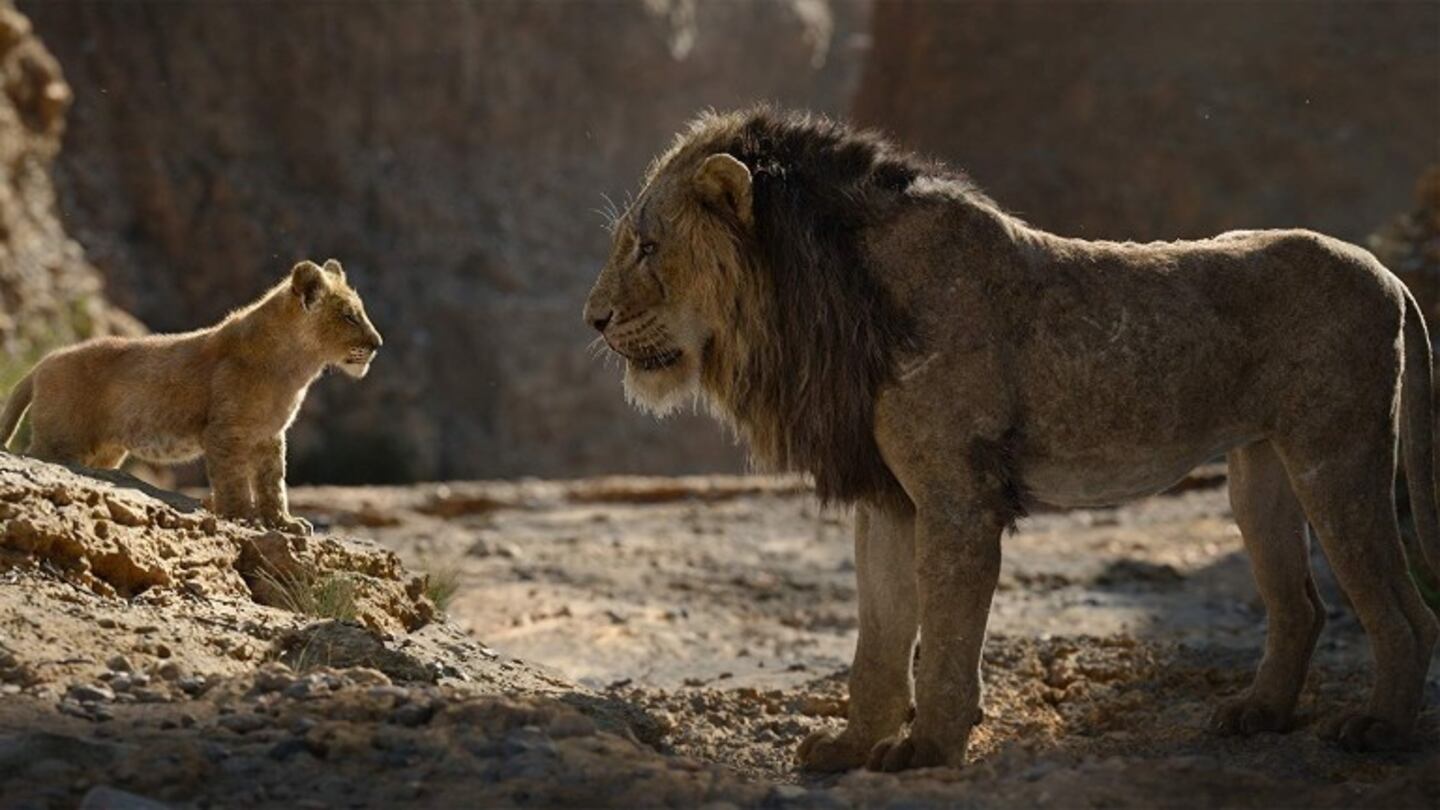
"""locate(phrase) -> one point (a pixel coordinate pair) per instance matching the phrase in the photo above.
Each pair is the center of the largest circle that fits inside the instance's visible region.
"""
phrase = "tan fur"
(872, 319)
(229, 391)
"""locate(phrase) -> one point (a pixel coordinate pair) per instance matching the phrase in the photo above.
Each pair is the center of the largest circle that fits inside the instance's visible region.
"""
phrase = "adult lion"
(873, 320)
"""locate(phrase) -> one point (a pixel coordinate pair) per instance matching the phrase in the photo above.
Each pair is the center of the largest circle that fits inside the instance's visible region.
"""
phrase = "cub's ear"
(307, 282)
(724, 182)
(333, 267)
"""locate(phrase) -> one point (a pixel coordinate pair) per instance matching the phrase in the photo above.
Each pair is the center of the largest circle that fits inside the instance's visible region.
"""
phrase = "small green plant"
(327, 596)
(441, 586)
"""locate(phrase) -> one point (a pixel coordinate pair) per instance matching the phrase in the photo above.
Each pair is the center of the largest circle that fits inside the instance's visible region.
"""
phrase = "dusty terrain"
(619, 642)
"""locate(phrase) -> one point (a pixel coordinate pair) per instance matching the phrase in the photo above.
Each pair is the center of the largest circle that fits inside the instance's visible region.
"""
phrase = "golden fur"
(229, 391)
(872, 319)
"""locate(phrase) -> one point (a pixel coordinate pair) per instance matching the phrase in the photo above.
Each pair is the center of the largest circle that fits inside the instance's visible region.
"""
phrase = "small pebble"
(788, 793)
(91, 692)
(287, 748)
(273, 678)
(299, 690)
(192, 685)
(395, 694)
(571, 725)
(242, 723)
(148, 695)
(413, 714)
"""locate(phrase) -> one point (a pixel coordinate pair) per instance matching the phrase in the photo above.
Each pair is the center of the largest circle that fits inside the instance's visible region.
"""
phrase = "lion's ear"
(307, 282)
(332, 266)
(724, 182)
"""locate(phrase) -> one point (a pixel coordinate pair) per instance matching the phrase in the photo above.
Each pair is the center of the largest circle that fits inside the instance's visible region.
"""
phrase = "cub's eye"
(647, 249)
(352, 319)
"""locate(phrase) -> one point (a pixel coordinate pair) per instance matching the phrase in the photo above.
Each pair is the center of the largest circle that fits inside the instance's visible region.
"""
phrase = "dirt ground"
(667, 642)
(725, 608)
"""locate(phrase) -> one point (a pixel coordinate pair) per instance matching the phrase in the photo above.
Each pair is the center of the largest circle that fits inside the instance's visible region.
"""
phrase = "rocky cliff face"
(454, 156)
(49, 295)
(1166, 120)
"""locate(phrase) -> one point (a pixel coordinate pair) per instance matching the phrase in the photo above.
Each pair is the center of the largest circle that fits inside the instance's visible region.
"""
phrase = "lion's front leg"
(957, 563)
(880, 677)
(269, 483)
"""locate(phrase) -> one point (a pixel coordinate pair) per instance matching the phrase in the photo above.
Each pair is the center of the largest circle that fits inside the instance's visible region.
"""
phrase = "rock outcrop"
(116, 536)
(455, 156)
(49, 294)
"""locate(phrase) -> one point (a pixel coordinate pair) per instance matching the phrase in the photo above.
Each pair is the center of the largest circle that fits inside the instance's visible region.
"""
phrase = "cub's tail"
(15, 408)
(1417, 415)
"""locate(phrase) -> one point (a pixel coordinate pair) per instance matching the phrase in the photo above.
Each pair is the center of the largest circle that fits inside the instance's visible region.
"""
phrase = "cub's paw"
(1247, 715)
(245, 519)
(831, 751)
(1358, 733)
(903, 752)
(289, 524)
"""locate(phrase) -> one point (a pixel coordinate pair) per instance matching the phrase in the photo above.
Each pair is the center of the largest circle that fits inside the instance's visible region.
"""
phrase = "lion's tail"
(1417, 415)
(15, 407)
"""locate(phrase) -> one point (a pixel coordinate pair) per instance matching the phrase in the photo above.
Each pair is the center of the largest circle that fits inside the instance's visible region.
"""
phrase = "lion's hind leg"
(1273, 527)
(1347, 489)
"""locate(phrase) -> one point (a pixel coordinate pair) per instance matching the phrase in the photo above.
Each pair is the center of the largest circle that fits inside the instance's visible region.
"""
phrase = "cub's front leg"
(229, 459)
(269, 484)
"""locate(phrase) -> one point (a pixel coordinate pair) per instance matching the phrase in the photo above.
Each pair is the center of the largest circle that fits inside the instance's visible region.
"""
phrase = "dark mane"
(805, 398)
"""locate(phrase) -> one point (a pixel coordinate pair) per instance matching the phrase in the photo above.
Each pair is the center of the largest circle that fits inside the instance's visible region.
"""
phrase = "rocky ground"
(617, 642)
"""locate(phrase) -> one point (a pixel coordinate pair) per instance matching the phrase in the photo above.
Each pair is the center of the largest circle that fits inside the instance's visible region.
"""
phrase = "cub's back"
(160, 379)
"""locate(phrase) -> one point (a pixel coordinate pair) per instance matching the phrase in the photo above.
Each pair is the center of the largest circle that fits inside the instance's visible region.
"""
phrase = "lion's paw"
(1246, 715)
(831, 751)
(1358, 732)
(904, 752)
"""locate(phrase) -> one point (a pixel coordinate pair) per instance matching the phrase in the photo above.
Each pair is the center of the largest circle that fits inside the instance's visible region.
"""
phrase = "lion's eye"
(647, 249)
(352, 318)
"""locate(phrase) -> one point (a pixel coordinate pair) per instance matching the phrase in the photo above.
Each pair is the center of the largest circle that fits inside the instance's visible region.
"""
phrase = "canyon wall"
(49, 295)
(455, 157)
(1158, 120)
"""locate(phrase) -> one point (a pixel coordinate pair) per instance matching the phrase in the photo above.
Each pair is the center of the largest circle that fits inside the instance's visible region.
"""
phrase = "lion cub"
(229, 391)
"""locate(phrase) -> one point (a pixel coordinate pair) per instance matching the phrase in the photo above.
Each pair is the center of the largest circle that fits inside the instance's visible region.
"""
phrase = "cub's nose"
(600, 321)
